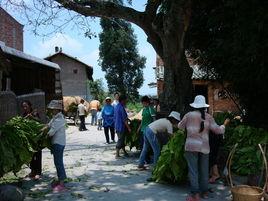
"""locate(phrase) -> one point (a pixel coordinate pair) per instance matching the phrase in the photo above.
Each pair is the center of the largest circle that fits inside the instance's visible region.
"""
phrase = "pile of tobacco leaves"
(20, 138)
(171, 166)
(133, 139)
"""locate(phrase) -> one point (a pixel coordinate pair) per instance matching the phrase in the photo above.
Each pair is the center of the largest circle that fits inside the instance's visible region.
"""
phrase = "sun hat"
(199, 102)
(108, 98)
(55, 104)
(175, 115)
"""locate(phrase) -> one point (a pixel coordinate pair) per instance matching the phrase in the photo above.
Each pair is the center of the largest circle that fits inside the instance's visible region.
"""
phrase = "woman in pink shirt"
(198, 123)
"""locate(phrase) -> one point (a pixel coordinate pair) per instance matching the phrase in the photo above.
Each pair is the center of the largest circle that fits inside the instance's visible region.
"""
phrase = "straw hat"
(108, 98)
(199, 102)
(175, 115)
(55, 104)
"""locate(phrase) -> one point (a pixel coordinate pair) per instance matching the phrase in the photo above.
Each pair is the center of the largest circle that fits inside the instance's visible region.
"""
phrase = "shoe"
(211, 190)
(150, 179)
(31, 175)
(59, 188)
(195, 197)
(37, 177)
(141, 167)
(205, 195)
(117, 156)
(213, 180)
(126, 154)
(54, 184)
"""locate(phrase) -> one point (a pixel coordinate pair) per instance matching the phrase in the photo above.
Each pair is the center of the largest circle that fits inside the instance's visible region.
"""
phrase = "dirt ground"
(95, 174)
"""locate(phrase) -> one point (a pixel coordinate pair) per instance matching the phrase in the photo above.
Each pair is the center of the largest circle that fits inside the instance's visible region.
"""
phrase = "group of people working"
(197, 124)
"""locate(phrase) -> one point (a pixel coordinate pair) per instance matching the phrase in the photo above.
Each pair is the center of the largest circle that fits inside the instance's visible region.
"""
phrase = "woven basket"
(245, 192)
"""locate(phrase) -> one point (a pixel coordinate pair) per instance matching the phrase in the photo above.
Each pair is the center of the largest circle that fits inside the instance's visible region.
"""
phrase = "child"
(56, 130)
(99, 119)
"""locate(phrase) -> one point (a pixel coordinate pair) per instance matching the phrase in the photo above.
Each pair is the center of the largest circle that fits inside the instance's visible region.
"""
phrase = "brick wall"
(11, 32)
(217, 98)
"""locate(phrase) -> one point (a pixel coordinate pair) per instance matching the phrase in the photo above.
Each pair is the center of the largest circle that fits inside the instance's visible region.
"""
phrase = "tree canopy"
(231, 38)
(119, 58)
(97, 89)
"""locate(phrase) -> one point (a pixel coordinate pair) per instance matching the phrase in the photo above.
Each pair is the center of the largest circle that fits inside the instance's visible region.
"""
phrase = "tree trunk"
(177, 92)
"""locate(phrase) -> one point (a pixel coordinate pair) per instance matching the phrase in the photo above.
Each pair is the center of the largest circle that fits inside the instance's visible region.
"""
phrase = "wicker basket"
(245, 192)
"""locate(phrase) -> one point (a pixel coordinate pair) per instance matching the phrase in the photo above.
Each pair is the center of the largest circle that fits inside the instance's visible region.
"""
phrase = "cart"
(72, 114)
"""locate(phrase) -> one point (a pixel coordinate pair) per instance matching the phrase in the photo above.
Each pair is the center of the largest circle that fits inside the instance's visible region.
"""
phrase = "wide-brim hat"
(55, 105)
(175, 115)
(199, 102)
(108, 98)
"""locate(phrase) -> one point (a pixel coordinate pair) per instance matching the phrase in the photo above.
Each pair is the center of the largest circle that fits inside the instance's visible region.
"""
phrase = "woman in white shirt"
(56, 131)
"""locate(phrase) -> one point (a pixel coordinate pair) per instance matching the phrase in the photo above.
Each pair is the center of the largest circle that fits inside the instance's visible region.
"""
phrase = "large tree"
(165, 23)
(119, 57)
(231, 39)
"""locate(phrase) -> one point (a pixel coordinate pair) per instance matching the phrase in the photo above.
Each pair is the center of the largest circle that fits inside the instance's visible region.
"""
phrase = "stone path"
(95, 174)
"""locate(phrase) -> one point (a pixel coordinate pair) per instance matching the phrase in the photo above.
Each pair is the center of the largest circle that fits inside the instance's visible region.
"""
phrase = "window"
(75, 71)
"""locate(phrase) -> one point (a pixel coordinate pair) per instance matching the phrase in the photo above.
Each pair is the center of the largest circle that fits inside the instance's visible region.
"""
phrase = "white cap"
(108, 98)
(199, 102)
(175, 115)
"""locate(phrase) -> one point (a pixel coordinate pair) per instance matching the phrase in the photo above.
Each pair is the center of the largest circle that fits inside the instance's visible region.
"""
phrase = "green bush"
(247, 158)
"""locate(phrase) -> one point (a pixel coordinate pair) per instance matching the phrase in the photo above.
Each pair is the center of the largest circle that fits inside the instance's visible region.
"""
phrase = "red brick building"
(11, 31)
(203, 84)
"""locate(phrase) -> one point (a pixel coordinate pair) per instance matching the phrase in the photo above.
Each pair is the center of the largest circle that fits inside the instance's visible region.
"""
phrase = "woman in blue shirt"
(108, 119)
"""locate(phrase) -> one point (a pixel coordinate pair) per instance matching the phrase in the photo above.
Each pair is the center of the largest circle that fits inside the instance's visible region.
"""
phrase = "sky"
(74, 43)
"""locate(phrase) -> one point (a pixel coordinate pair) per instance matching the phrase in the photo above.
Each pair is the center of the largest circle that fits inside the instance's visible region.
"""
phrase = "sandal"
(190, 198)
(213, 180)
(205, 195)
(193, 198)
(141, 167)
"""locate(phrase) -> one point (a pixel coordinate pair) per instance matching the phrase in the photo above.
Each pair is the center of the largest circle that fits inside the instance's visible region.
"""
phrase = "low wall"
(10, 105)
(38, 102)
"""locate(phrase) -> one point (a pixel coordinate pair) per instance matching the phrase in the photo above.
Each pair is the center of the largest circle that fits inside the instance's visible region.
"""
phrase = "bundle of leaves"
(19, 139)
(247, 158)
(171, 166)
(133, 139)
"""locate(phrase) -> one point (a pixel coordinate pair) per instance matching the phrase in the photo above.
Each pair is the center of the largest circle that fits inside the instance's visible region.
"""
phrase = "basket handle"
(229, 161)
(266, 167)
(228, 164)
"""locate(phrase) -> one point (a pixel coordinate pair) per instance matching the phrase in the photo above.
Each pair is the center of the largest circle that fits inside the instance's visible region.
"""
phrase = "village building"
(216, 93)
(74, 74)
(23, 76)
